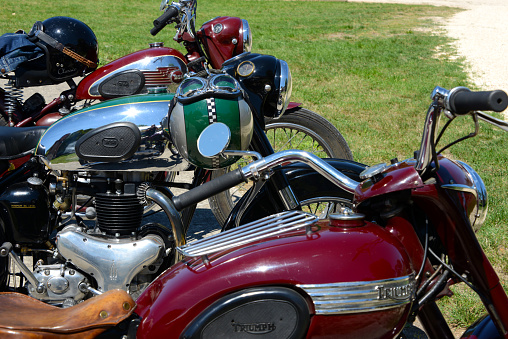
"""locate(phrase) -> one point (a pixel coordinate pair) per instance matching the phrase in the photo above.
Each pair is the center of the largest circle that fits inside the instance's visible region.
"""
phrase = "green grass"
(368, 68)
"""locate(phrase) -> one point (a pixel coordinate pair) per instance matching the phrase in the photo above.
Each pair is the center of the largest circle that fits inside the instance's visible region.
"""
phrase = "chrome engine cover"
(101, 128)
(60, 283)
(113, 262)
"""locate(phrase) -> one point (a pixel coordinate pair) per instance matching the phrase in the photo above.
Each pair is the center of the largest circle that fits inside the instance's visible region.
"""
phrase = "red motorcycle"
(367, 272)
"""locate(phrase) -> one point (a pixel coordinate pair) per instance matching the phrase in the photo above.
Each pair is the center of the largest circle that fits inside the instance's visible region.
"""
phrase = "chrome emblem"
(217, 28)
(403, 292)
(109, 142)
(361, 296)
(163, 76)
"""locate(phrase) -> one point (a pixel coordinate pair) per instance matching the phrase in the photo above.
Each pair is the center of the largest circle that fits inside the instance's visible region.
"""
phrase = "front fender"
(483, 328)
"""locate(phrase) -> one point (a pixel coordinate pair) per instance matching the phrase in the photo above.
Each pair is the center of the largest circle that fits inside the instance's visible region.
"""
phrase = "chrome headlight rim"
(481, 195)
(247, 36)
(285, 87)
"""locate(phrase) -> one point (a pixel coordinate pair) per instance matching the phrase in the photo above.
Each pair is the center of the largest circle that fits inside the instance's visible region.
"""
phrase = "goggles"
(37, 31)
(195, 88)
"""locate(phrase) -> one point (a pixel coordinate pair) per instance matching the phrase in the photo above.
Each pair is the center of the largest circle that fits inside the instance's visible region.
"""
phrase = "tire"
(299, 129)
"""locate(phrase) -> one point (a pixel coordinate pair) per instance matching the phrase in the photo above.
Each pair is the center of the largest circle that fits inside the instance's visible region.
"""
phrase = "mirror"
(214, 140)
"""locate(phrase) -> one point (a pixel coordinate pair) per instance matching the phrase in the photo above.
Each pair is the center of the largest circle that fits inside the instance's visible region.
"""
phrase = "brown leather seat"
(24, 317)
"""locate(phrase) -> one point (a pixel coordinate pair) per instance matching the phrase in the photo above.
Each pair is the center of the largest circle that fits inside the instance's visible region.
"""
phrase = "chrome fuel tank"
(124, 134)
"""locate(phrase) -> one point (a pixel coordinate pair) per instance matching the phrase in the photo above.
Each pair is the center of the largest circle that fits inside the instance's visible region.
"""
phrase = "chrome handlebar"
(455, 102)
(253, 170)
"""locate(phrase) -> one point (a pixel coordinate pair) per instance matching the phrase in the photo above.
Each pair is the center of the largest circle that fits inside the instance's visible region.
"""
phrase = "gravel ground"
(481, 36)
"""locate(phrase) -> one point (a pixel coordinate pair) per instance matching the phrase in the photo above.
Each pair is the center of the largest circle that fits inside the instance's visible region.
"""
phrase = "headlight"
(247, 36)
(478, 218)
(285, 87)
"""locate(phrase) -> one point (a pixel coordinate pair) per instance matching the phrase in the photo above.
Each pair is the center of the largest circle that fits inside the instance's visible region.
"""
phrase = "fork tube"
(278, 182)
(425, 153)
(433, 322)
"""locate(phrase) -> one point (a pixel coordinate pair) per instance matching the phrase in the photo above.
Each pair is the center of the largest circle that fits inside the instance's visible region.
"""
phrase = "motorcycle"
(159, 68)
(81, 200)
(410, 235)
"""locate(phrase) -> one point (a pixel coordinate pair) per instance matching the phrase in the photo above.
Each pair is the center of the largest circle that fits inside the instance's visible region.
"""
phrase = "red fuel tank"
(355, 278)
(157, 66)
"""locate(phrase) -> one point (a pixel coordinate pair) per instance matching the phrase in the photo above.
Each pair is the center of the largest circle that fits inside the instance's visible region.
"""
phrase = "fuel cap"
(347, 218)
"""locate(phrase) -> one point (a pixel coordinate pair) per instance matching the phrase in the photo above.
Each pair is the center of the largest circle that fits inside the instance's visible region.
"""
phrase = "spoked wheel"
(322, 206)
(298, 129)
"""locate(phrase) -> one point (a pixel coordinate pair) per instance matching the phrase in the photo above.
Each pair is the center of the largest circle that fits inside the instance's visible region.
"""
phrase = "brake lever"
(491, 120)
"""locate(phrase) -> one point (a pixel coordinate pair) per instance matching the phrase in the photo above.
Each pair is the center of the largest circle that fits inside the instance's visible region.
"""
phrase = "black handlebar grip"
(208, 189)
(5, 249)
(162, 21)
(464, 101)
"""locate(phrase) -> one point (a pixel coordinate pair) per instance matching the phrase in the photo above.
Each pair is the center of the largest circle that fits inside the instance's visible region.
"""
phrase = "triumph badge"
(217, 28)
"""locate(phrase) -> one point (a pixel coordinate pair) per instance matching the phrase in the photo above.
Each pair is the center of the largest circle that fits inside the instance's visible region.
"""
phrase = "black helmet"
(70, 46)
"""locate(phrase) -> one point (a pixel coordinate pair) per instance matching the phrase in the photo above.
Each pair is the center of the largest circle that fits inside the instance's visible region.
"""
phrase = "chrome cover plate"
(57, 145)
(112, 262)
(254, 231)
(60, 283)
(361, 296)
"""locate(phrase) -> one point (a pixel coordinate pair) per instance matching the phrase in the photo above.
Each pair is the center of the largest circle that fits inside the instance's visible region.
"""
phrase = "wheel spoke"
(302, 130)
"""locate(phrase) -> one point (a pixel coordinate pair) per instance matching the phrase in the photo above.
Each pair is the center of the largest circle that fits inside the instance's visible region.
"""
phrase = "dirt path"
(481, 33)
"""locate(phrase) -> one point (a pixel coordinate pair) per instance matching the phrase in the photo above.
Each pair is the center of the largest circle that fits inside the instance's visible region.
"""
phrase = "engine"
(112, 262)
(110, 246)
(109, 154)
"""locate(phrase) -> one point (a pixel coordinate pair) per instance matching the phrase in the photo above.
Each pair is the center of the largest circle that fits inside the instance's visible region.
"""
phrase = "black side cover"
(110, 143)
(269, 312)
(122, 84)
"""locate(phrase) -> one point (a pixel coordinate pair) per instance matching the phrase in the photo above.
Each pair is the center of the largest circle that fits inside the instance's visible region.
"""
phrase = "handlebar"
(458, 101)
(208, 189)
(461, 101)
(164, 19)
(256, 168)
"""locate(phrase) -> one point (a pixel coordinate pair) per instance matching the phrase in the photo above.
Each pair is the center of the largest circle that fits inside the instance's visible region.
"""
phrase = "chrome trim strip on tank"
(147, 66)
(361, 296)
(254, 231)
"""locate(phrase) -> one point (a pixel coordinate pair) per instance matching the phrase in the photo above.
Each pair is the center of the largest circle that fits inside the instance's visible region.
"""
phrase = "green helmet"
(200, 102)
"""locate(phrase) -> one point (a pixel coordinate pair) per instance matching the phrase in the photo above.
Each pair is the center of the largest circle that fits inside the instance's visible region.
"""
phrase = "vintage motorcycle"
(216, 41)
(367, 272)
(157, 68)
(107, 165)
